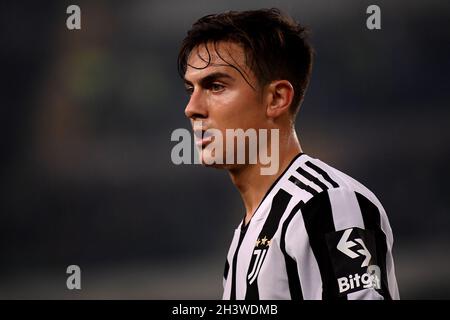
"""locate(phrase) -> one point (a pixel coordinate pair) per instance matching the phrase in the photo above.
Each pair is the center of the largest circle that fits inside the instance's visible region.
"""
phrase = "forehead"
(207, 58)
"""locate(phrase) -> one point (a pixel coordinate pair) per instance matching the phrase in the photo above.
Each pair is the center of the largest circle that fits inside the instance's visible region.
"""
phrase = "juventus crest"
(259, 253)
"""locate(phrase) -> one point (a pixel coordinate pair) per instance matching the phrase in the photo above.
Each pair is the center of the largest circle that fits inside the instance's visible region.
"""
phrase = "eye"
(217, 87)
(189, 90)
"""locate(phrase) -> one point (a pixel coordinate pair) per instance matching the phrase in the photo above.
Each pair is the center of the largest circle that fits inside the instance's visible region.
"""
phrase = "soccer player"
(309, 230)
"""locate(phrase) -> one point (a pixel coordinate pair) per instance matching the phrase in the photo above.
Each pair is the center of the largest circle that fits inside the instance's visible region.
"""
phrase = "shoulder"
(339, 230)
(337, 209)
(330, 200)
(318, 183)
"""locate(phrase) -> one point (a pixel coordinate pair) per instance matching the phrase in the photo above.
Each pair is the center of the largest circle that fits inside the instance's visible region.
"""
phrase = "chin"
(223, 166)
(215, 166)
(209, 163)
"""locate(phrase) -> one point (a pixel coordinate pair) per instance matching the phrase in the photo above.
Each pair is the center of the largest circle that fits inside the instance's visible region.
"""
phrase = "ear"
(280, 94)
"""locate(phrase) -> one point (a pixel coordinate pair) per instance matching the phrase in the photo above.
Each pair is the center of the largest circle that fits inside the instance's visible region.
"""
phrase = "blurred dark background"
(86, 116)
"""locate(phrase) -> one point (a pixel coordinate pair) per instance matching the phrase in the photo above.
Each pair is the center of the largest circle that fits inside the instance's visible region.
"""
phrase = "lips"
(202, 138)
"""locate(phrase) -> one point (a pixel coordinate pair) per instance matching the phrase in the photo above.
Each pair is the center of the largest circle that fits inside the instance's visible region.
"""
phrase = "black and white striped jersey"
(317, 234)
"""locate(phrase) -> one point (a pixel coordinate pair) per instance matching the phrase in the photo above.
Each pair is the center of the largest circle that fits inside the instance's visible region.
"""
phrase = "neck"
(252, 185)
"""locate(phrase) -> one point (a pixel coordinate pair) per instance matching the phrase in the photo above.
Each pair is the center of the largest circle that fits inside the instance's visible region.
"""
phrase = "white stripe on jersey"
(345, 209)
(294, 262)
(307, 267)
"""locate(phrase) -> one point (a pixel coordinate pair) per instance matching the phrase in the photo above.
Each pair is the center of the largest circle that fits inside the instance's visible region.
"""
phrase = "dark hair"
(276, 47)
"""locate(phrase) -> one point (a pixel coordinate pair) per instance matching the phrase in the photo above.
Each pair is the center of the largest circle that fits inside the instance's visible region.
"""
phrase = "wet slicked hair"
(276, 47)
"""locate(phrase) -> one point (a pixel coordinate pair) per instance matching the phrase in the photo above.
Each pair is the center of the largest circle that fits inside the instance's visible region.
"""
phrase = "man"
(309, 231)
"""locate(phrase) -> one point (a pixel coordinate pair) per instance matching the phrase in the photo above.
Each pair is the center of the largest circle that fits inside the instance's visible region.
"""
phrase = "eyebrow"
(210, 78)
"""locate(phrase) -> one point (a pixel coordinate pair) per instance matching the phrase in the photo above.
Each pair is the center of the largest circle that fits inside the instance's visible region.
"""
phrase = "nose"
(196, 107)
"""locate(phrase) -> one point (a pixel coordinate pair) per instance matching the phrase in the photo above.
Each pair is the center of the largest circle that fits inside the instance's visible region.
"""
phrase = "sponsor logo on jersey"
(344, 245)
(353, 257)
(369, 279)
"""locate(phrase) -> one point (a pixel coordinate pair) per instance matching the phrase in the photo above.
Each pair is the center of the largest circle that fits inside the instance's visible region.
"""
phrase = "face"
(220, 97)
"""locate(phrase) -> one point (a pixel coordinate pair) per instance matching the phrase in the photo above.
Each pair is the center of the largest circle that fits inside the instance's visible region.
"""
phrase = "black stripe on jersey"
(233, 275)
(227, 268)
(310, 177)
(372, 221)
(279, 204)
(322, 173)
(295, 287)
(303, 186)
(318, 218)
